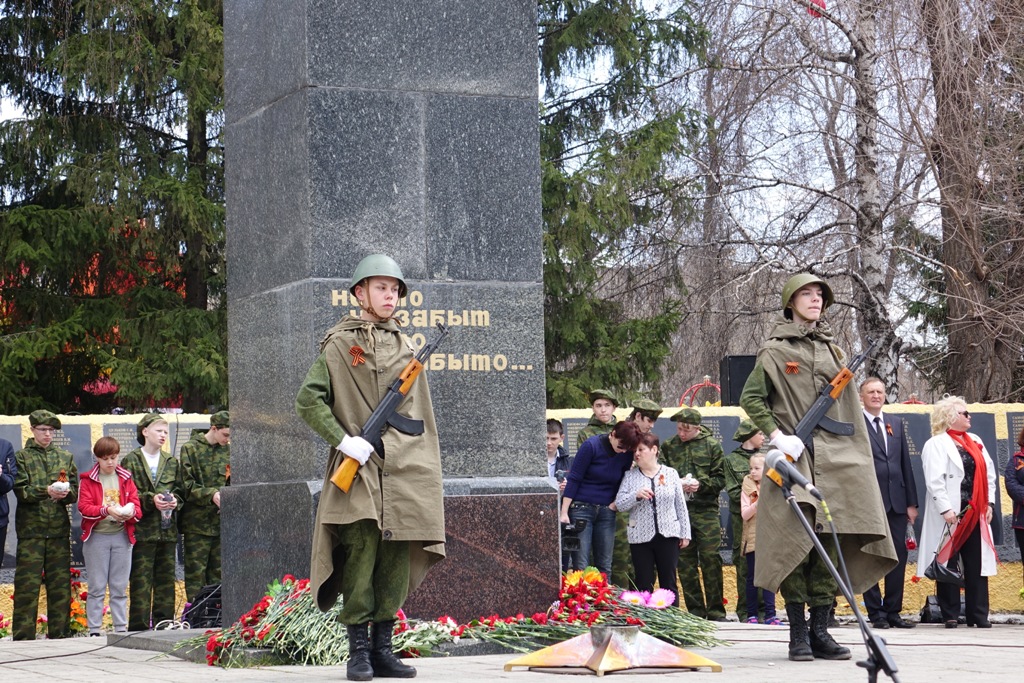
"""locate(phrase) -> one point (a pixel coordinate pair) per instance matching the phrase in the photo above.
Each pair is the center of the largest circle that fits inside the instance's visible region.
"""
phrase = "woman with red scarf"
(961, 481)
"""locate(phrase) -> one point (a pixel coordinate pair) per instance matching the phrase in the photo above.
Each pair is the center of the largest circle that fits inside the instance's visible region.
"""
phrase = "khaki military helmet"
(378, 265)
(802, 280)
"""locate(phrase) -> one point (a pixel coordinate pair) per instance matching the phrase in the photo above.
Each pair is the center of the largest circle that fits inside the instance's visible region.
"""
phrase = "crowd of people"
(669, 493)
(133, 508)
(378, 532)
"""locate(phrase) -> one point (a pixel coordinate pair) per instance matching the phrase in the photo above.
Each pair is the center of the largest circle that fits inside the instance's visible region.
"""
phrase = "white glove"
(357, 448)
(790, 444)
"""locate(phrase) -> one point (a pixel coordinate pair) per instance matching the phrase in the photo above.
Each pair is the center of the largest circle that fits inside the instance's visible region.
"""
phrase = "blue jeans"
(599, 534)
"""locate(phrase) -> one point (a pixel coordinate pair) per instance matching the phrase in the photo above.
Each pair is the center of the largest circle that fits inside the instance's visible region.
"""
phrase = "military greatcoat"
(792, 366)
(402, 492)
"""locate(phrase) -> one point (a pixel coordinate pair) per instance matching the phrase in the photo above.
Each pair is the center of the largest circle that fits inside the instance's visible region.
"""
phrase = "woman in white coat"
(961, 481)
(659, 524)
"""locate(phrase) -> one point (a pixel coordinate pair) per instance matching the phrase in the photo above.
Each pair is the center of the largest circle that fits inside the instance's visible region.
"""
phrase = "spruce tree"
(111, 205)
(608, 138)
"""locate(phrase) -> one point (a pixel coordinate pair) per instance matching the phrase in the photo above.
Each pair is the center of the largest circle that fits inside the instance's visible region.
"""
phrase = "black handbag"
(943, 573)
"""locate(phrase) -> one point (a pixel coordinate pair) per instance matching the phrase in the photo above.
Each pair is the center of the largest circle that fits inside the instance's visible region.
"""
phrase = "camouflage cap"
(147, 419)
(746, 430)
(595, 394)
(220, 419)
(690, 416)
(43, 417)
(647, 408)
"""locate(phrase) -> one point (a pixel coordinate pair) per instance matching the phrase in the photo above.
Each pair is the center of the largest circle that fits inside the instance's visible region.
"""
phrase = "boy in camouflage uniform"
(694, 451)
(604, 404)
(737, 466)
(645, 413)
(44, 529)
(155, 471)
(204, 465)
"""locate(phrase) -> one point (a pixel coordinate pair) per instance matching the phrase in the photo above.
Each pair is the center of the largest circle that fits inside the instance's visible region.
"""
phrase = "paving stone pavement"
(926, 654)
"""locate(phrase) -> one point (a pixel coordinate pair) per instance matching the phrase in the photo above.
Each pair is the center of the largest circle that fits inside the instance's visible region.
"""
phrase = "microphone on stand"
(782, 472)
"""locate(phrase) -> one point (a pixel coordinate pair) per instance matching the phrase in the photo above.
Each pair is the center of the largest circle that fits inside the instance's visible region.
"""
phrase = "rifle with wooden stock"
(830, 393)
(386, 413)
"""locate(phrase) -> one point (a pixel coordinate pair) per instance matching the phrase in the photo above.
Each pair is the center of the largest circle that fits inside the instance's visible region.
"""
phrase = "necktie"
(878, 428)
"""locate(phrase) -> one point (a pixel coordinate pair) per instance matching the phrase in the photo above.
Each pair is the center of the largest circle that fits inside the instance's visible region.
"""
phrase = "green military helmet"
(802, 280)
(690, 416)
(595, 394)
(647, 408)
(746, 430)
(378, 265)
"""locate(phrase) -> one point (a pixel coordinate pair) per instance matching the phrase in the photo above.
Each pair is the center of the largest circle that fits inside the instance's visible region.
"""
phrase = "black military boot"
(822, 644)
(385, 663)
(359, 668)
(799, 649)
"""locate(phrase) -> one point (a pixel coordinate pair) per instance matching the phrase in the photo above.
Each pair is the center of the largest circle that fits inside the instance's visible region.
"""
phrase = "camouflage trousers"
(374, 573)
(811, 582)
(739, 561)
(36, 557)
(202, 563)
(702, 554)
(151, 586)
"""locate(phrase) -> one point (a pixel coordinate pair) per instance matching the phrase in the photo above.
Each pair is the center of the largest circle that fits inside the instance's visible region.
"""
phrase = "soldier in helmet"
(694, 452)
(205, 469)
(645, 413)
(737, 466)
(604, 404)
(374, 544)
(796, 361)
(45, 485)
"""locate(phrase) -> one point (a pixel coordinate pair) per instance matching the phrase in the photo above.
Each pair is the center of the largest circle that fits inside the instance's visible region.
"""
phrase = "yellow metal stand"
(614, 648)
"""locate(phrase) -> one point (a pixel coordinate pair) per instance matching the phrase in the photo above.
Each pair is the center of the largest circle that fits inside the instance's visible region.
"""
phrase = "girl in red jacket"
(109, 503)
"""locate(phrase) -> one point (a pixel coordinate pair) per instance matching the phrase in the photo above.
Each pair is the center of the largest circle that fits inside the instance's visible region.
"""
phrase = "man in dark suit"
(899, 497)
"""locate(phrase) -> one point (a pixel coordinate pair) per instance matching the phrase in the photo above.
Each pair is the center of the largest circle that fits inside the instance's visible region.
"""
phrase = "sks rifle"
(386, 413)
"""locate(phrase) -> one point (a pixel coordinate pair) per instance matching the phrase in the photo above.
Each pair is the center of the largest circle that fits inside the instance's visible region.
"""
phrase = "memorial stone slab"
(357, 127)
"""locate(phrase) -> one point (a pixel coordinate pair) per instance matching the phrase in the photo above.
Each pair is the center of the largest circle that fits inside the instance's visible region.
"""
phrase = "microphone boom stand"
(879, 658)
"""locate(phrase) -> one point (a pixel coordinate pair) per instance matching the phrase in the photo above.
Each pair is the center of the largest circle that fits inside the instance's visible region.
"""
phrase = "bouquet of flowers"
(287, 623)
(5, 626)
(586, 599)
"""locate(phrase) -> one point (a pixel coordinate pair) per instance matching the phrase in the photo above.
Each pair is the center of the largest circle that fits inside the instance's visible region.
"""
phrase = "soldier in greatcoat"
(374, 544)
(45, 485)
(792, 366)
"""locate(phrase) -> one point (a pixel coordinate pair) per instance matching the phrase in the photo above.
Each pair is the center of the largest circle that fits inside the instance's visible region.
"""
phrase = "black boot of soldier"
(359, 668)
(822, 644)
(385, 663)
(799, 649)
